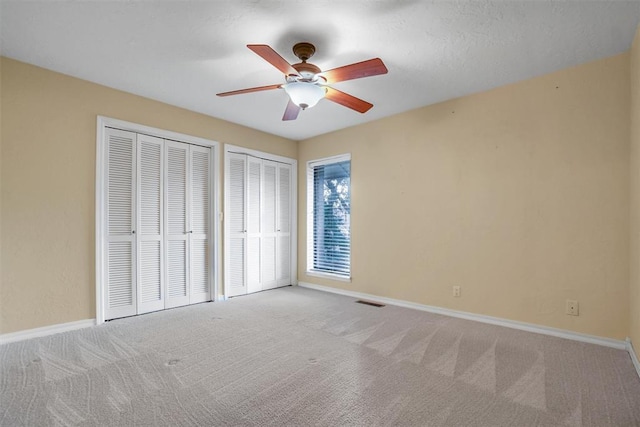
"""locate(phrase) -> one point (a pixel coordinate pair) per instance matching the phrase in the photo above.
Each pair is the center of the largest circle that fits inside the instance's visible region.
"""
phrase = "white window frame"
(310, 208)
(102, 124)
(228, 148)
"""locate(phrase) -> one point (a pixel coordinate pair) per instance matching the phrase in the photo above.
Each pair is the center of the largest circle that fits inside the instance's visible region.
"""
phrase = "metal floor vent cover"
(374, 304)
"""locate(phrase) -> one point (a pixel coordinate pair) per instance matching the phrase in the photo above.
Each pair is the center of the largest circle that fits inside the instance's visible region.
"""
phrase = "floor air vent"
(374, 304)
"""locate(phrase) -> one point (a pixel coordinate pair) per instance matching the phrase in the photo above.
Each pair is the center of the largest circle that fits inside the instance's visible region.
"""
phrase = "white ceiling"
(184, 52)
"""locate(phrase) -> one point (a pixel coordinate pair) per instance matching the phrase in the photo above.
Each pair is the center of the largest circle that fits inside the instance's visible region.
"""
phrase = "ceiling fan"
(306, 84)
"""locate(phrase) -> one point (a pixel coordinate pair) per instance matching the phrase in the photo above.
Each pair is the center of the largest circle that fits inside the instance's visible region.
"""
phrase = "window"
(329, 217)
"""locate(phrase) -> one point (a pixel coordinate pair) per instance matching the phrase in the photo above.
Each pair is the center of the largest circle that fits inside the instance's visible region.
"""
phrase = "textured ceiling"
(183, 52)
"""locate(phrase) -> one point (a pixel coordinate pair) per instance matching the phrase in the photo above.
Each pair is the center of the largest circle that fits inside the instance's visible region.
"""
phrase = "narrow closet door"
(236, 202)
(176, 224)
(149, 229)
(269, 224)
(120, 290)
(200, 220)
(254, 226)
(283, 231)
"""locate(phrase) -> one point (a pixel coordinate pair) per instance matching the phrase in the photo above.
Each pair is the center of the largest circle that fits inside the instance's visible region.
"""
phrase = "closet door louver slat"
(200, 271)
(284, 198)
(176, 270)
(150, 283)
(120, 272)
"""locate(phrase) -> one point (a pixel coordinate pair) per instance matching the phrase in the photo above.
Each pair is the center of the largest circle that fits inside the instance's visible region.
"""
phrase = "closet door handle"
(133, 231)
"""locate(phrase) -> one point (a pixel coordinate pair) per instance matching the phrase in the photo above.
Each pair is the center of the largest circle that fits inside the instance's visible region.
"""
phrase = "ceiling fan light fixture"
(304, 94)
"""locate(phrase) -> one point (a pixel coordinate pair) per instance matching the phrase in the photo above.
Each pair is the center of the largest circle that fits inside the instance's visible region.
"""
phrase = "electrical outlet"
(456, 291)
(572, 307)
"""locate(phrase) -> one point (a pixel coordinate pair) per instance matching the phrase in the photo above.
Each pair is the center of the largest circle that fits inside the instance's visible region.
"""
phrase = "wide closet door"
(258, 247)
(158, 212)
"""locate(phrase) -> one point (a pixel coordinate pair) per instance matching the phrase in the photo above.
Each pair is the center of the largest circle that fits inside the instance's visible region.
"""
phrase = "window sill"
(329, 276)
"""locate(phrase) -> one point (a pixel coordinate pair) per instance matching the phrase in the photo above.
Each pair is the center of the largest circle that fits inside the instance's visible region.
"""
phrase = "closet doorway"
(156, 219)
(260, 221)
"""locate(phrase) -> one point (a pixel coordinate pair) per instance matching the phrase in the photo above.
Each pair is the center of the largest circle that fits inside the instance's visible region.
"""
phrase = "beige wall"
(634, 298)
(519, 195)
(48, 181)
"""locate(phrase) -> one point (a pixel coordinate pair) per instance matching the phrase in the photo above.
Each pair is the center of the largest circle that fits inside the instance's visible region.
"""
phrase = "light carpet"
(300, 357)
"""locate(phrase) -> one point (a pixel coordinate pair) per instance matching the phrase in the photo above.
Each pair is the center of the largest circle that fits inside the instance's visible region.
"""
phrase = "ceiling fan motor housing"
(307, 71)
(304, 50)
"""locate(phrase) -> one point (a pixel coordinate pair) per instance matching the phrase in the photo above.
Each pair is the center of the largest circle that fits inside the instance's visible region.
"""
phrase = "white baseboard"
(46, 330)
(529, 327)
(634, 358)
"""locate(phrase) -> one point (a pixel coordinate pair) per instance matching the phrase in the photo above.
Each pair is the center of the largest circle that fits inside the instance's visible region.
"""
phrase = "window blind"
(330, 216)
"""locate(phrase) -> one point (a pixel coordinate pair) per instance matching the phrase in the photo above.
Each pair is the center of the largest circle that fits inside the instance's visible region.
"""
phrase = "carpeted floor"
(300, 357)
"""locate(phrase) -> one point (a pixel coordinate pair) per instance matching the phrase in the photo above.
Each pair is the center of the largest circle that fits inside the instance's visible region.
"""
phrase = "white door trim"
(228, 148)
(106, 122)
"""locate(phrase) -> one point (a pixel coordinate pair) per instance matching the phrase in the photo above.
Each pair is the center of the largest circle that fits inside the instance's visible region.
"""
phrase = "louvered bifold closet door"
(283, 231)
(120, 290)
(254, 226)
(235, 224)
(150, 218)
(200, 224)
(269, 224)
(176, 224)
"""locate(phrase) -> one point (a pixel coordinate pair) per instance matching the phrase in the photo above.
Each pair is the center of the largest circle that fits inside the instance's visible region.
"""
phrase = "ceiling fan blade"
(372, 67)
(272, 57)
(291, 112)
(347, 100)
(249, 90)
